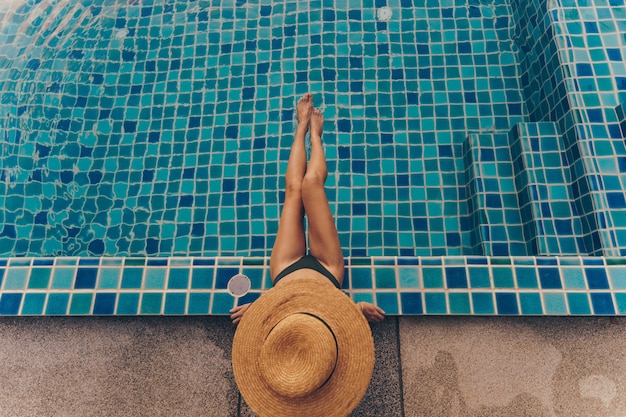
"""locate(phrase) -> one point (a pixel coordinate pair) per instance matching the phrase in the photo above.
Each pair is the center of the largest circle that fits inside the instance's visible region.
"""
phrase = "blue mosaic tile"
(128, 303)
(479, 278)
(63, 278)
(222, 303)
(151, 303)
(104, 304)
(154, 278)
(367, 297)
(248, 298)
(16, 279)
(132, 278)
(517, 287)
(506, 303)
(413, 94)
(10, 303)
(602, 303)
(223, 275)
(388, 302)
(617, 277)
(385, 278)
(596, 278)
(459, 303)
(256, 277)
(492, 203)
(202, 278)
(411, 303)
(404, 261)
(483, 303)
(80, 304)
(361, 278)
(551, 224)
(175, 303)
(554, 303)
(39, 278)
(33, 304)
(409, 277)
(593, 261)
(549, 278)
(573, 278)
(495, 152)
(578, 303)
(432, 277)
(109, 278)
(435, 303)
(530, 303)
(86, 278)
(199, 303)
(178, 278)
(620, 300)
(526, 278)
(57, 304)
(503, 277)
(111, 261)
(456, 277)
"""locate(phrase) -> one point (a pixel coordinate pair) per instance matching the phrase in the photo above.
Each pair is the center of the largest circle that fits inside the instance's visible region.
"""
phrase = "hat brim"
(355, 350)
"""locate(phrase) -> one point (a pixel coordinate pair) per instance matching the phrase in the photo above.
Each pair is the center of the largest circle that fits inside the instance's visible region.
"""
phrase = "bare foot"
(317, 123)
(305, 107)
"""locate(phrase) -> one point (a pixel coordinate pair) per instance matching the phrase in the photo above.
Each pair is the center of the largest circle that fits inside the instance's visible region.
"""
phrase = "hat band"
(298, 356)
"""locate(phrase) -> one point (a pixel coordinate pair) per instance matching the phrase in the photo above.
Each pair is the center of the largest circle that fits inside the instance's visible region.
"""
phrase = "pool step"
(551, 221)
(496, 224)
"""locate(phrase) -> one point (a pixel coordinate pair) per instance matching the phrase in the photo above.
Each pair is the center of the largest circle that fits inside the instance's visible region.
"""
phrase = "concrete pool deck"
(426, 366)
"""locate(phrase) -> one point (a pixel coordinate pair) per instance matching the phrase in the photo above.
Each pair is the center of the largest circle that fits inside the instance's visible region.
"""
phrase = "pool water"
(454, 128)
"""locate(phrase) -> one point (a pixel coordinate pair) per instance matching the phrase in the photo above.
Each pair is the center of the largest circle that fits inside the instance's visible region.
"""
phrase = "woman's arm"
(237, 313)
(371, 312)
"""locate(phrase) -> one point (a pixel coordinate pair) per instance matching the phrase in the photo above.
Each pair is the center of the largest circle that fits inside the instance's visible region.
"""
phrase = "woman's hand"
(237, 313)
(371, 312)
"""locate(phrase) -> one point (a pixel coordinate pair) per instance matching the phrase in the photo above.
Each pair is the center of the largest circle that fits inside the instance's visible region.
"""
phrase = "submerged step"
(492, 197)
(551, 222)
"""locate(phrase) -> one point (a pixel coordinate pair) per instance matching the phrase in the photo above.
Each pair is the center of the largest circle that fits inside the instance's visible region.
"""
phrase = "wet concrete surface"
(425, 366)
(549, 366)
(144, 366)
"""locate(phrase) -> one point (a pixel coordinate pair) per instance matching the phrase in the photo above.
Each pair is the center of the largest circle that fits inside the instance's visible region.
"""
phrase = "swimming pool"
(456, 129)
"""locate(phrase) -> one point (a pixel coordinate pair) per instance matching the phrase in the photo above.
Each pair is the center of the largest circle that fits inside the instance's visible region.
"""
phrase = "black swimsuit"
(307, 262)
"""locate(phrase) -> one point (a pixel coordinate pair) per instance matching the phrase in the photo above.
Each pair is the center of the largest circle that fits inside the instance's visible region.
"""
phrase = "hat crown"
(324, 320)
(298, 356)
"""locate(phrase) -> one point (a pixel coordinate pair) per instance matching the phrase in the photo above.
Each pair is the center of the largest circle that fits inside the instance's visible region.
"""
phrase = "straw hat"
(303, 349)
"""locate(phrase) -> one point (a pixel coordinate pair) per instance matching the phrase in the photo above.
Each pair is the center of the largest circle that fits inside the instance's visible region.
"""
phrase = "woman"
(305, 193)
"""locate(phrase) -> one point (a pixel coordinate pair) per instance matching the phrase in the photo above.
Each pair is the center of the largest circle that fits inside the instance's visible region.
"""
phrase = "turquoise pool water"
(456, 128)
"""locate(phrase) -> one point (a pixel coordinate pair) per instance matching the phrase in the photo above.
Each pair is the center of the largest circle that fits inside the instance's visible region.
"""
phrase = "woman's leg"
(323, 238)
(290, 244)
